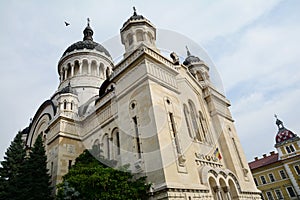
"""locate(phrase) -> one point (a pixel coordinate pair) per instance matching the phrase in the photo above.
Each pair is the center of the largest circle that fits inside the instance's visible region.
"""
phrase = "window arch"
(139, 36)
(105, 145)
(116, 142)
(130, 39)
(96, 149)
(65, 105)
(150, 37)
(194, 120)
(187, 119)
(204, 128)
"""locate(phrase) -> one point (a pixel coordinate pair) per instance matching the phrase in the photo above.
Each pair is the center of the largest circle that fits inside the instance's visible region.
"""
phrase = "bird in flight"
(67, 24)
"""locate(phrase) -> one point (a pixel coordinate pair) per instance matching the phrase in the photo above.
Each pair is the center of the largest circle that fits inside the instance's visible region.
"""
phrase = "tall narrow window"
(270, 196)
(186, 116)
(194, 121)
(106, 149)
(271, 177)
(65, 105)
(70, 164)
(174, 132)
(263, 180)
(291, 191)
(51, 169)
(116, 142)
(279, 194)
(288, 149)
(72, 106)
(282, 174)
(297, 168)
(137, 137)
(204, 127)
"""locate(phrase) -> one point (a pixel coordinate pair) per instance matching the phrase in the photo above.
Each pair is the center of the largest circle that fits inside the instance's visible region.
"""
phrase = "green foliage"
(11, 166)
(34, 179)
(93, 180)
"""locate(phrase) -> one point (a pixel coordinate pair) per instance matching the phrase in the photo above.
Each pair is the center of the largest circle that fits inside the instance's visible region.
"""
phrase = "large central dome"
(87, 43)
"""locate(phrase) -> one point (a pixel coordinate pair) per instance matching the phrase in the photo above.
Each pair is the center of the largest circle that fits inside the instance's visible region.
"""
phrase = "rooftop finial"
(88, 21)
(279, 123)
(187, 51)
(134, 10)
(88, 31)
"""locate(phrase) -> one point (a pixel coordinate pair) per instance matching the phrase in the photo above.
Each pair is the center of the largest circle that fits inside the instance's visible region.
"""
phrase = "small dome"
(67, 89)
(135, 17)
(190, 59)
(283, 133)
(87, 42)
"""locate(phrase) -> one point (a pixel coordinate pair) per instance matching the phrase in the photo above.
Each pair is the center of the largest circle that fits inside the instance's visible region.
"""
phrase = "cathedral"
(163, 117)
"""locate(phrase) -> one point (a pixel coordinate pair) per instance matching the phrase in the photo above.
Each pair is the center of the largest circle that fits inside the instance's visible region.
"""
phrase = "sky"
(254, 45)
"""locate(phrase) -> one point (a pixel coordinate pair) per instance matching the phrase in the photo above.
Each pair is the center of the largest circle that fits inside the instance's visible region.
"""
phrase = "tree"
(90, 179)
(9, 172)
(34, 178)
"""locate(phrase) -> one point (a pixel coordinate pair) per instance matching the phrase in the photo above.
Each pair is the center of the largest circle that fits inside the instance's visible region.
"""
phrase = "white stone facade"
(163, 118)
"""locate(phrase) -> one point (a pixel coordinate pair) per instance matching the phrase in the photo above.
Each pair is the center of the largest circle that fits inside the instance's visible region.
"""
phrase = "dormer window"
(290, 149)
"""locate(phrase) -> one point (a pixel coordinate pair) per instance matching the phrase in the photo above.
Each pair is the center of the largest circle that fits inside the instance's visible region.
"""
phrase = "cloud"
(261, 76)
(257, 60)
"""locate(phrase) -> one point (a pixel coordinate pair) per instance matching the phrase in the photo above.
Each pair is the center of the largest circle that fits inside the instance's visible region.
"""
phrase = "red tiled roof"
(264, 161)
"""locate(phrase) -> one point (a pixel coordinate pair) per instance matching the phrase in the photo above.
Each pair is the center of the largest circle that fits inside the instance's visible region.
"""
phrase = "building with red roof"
(277, 175)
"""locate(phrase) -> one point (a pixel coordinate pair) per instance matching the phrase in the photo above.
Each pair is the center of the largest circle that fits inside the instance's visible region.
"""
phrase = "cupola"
(196, 66)
(283, 134)
(137, 30)
(85, 65)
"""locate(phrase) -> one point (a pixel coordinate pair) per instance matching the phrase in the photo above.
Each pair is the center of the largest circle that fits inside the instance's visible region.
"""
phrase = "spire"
(134, 11)
(279, 123)
(188, 53)
(88, 31)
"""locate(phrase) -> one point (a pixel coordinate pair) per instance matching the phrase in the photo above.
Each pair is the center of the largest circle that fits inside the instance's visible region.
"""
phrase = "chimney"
(264, 155)
(256, 158)
(272, 152)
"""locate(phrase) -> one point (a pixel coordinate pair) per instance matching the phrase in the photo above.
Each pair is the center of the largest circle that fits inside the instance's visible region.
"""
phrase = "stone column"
(89, 67)
(80, 67)
(217, 190)
(61, 76)
(98, 69)
(72, 69)
(66, 73)
(226, 190)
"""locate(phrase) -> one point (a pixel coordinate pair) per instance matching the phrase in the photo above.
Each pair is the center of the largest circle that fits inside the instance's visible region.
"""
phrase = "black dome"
(86, 44)
(191, 59)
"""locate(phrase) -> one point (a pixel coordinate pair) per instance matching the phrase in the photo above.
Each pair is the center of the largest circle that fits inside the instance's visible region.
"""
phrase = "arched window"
(194, 120)
(71, 106)
(105, 144)
(150, 37)
(116, 142)
(187, 119)
(204, 127)
(129, 39)
(139, 36)
(96, 149)
(65, 105)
